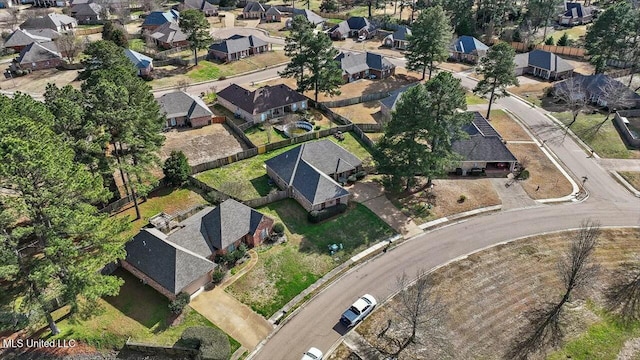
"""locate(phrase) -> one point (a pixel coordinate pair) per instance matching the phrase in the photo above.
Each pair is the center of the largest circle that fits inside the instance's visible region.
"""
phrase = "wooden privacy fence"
(88, 31)
(239, 131)
(356, 100)
(195, 169)
(559, 50)
(273, 197)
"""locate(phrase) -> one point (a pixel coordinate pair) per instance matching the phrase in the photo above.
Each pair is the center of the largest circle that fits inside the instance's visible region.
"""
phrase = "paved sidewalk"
(512, 197)
(371, 195)
(620, 164)
(232, 316)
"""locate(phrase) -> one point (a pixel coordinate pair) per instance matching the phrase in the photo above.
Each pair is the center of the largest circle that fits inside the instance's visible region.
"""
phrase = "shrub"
(176, 168)
(549, 41)
(352, 178)
(524, 175)
(316, 216)
(361, 174)
(12, 321)
(214, 197)
(177, 305)
(218, 275)
(278, 228)
(564, 40)
(317, 127)
(19, 72)
(462, 198)
(212, 343)
(222, 78)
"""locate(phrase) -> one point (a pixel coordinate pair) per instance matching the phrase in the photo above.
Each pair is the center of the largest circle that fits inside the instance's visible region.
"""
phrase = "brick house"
(182, 109)
(543, 64)
(354, 26)
(237, 47)
(57, 22)
(364, 65)
(169, 35)
(273, 15)
(467, 49)
(575, 13)
(207, 8)
(311, 173)
(20, 38)
(264, 103)
(253, 10)
(143, 63)
(399, 39)
(89, 13)
(315, 19)
(183, 259)
(39, 56)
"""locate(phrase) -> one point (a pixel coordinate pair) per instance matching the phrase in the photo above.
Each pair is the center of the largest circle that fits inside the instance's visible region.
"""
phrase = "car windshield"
(355, 310)
(311, 356)
(366, 300)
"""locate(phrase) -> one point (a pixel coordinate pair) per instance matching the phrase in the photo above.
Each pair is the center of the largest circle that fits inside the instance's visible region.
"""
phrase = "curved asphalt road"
(316, 324)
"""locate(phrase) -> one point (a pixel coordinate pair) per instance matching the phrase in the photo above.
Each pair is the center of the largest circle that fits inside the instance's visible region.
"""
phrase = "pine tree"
(329, 6)
(297, 44)
(564, 40)
(430, 40)
(176, 168)
(610, 36)
(195, 24)
(498, 71)
(549, 41)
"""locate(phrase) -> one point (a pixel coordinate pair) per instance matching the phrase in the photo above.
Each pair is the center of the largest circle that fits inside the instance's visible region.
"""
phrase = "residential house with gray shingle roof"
(575, 13)
(364, 65)
(182, 109)
(399, 39)
(207, 8)
(267, 102)
(311, 17)
(39, 56)
(484, 150)
(388, 104)
(156, 19)
(20, 38)
(311, 173)
(169, 35)
(543, 64)
(253, 10)
(354, 26)
(468, 49)
(182, 260)
(237, 47)
(599, 88)
(89, 13)
(143, 63)
(272, 15)
(56, 22)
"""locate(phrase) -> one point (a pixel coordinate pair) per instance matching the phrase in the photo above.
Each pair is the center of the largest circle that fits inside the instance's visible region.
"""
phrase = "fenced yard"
(362, 113)
(201, 145)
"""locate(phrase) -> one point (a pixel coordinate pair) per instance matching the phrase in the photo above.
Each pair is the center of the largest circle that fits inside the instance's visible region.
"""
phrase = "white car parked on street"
(358, 311)
(312, 354)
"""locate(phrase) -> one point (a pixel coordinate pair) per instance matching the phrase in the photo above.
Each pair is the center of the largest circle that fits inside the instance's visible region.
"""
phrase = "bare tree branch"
(573, 94)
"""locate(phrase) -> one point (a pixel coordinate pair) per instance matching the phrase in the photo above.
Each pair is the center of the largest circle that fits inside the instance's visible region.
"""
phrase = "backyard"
(247, 179)
(361, 113)
(283, 271)
(604, 140)
(259, 135)
(201, 145)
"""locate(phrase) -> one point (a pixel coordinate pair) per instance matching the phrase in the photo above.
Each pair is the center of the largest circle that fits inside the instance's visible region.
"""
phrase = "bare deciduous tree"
(573, 94)
(577, 270)
(70, 46)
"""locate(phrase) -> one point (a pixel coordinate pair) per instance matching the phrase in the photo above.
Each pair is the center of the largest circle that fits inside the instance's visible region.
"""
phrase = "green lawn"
(473, 99)
(259, 135)
(136, 44)
(138, 312)
(247, 179)
(284, 271)
(205, 71)
(632, 177)
(606, 141)
(574, 33)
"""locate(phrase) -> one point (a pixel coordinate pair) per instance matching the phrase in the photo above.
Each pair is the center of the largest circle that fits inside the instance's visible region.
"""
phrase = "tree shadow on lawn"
(141, 303)
(389, 84)
(262, 185)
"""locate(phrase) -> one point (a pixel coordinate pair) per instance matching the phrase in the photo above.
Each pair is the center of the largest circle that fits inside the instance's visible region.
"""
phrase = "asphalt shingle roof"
(22, 37)
(168, 264)
(202, 5)
(484, 143)
(253, 6)
(179, 104)
(468, 44)
(312, 17)
(596, 85)
(50, 21)
(576, 10)
(544, 60)
(390, 101)
(237, 43)
(157, 18)
(169, 32)
(352, 63)
(308, 167)
(88, 9)
(262, 99)
(401, 33)
(353, 23)
(139, 60)
(36, 52)
(273, 11)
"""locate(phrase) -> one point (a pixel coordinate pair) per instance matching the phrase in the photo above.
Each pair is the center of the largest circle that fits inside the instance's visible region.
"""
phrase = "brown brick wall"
(47, 64)
(266, 223)
(200, 121)
(149, 281)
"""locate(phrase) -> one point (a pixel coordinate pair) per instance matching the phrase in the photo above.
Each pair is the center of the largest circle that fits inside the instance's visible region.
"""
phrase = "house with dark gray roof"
(467, 49)
(357, 66)
(267, 102)
(89, 13)
(354, 26)
(207, 8)
(575, 13)
(484, 150)
(143, 63)
(56, 22)
(388, 104)
(599, 88)
(543, 64)
(182, 109)
(20, 38)
(182, 260)
(311, 173)
(399, 39)
(39, 56)
(169, 35)
(156, 19)
(272, 15)
(253, 10)
(311, 17)
(237, 47)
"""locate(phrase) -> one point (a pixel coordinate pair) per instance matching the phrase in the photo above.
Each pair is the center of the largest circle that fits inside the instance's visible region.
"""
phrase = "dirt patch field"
(509, 129)
(486, 294)
(201, 145)
(362, 113)
(454, 66)
(277, 29)
(531, 91)
(542, 172)
(36, 82)
(582, 67)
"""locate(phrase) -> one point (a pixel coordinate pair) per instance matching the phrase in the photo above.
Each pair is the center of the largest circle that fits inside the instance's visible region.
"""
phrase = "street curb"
(624, 183)
(446, 219)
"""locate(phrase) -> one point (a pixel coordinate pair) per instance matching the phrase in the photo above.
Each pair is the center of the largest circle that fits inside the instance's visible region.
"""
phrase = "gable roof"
(401, 33)
(167, 263)
(484, 143)
(352, 63)
(202, 5)
(273, 11)
(22, 37)
(157, 18)
(312, 17)
(468, 44)
(36, 52)
(262, 99)
(87, 9)
(354, 23)
(139, 60)
(213, 229)
(50, 21)
(179, 104)
(169, 32)
(237, 43)
(253, 6)
(390, 101)
(544, 60)
(308, 167)
(596, 85)
(576, 10)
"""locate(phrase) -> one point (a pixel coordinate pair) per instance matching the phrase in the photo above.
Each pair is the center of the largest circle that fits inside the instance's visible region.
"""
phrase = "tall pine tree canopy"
(498, 72)
(195, 24)
(430, 40)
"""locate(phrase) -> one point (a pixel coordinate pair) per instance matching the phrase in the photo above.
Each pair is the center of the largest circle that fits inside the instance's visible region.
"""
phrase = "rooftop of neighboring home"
(237, 43)
(51, 21)
(22, 37)
(308, 168)
(598, 84)
(253, 6)
(202, 5)
(169, 32)
(390, 101)
(86, 9)
(544, 60)
(352, 63)
(484, 143)
(157, 18)
(576, 10)
(180, 104)
(167, 263)
(468, 44)
(353, 23)
(36, 52)
(261, 99)
(402, 33)
(273, 11)
(139, 60)
(312, 17)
